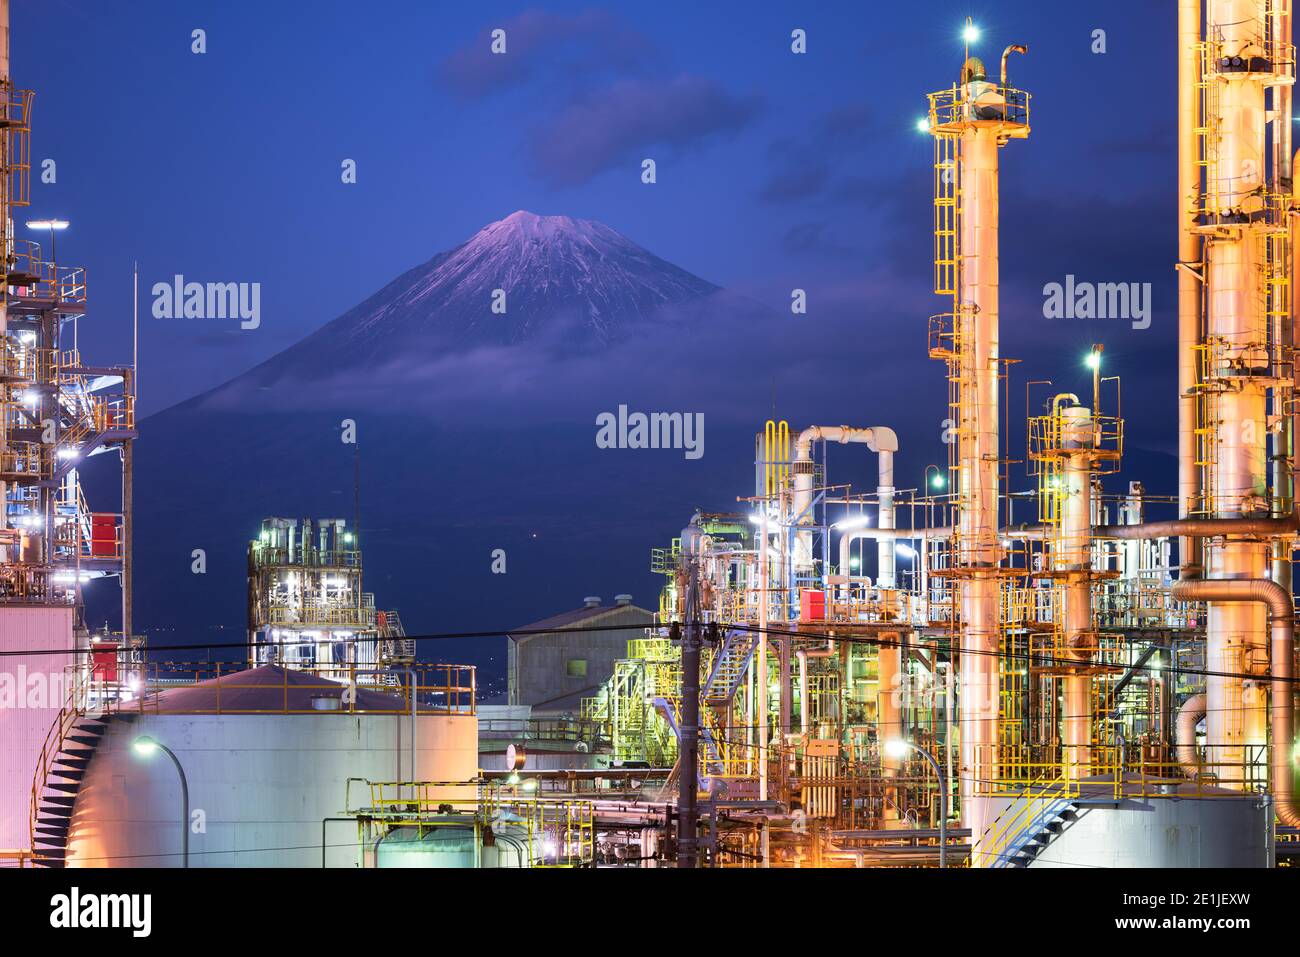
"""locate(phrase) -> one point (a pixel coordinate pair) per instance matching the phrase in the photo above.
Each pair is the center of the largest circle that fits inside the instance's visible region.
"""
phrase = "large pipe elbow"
(1281, 620)
(1189, 716)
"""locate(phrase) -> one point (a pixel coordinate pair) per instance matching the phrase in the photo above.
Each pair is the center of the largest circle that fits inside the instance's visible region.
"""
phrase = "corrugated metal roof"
(568, 619)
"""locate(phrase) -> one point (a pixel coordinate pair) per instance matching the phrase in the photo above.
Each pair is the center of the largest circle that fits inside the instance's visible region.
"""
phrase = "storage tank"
(1187, 825)
(450, 840)
(268, 755)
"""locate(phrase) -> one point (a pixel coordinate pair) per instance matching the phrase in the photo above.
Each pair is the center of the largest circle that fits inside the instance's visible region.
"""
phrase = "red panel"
(812, 604)
(103, 536)
(105, 662)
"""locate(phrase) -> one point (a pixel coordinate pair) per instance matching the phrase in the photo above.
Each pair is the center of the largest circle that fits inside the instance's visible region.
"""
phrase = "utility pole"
(688, 757)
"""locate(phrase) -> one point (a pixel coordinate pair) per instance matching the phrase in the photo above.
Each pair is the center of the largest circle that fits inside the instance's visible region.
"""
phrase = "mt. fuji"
(573, 282)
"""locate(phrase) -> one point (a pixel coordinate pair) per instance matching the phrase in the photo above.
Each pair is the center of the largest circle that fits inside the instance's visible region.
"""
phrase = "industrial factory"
(1025, 659)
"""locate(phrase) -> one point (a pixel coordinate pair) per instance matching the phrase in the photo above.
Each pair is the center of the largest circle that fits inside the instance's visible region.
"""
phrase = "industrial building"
(307, 608)
(554, 663)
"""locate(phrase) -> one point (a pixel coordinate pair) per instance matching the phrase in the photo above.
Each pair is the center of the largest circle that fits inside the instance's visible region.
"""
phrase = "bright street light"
(898, 748)
(146, 747)
(51, 226)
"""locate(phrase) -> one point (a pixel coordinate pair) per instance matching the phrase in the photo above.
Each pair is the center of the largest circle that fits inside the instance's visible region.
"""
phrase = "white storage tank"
(268, 755)
(1173, 824)
(451, 841)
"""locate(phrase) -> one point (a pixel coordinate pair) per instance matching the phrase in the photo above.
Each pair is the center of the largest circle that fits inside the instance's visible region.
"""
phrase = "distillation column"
(978, 463)
(978, 117)
(1237, 217)
(1074, 558)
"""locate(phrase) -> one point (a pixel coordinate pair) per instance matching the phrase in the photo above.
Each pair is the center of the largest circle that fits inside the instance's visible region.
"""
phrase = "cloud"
(622, 123)
(817, 239)
(795, 182)
(540, 42)
(805, 167)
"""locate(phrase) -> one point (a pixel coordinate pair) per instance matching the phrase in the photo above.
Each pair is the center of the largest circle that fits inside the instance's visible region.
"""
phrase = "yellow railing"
(1027, 807)
(439, 689)
(953, 108)
(560, 833)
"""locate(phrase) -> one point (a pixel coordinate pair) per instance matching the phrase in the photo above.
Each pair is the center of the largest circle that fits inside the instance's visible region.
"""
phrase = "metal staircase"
(59, 776)
(1031, 821)
(712, 758)
(1047, 823)
(729, 666)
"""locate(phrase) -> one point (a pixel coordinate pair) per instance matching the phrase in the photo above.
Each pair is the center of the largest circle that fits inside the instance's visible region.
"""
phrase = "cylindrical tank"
(1223, 830)
(262, 785)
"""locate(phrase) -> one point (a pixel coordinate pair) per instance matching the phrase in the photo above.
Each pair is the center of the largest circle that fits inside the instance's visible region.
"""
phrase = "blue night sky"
(775, 170)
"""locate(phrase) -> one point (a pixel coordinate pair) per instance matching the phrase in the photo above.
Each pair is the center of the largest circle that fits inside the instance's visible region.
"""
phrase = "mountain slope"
(570, 282)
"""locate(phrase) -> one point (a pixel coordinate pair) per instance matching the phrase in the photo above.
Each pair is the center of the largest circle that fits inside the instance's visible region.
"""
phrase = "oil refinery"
(1030, 661)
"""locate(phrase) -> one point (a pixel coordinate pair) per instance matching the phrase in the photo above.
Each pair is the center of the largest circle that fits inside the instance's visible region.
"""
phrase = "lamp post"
(146, 746)
(897, 749)
(54, 227)
(936, 481)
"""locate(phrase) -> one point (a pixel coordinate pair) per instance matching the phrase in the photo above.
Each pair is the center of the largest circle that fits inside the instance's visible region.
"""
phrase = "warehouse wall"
(540, 676)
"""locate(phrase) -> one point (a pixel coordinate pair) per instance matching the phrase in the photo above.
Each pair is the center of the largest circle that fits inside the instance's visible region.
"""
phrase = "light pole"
(899, 747)
(54, 227)
(935, 481)
(145, 746)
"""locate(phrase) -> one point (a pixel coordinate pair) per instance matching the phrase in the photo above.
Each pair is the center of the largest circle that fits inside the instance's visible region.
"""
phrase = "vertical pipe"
(1189, 291)
(887, 576)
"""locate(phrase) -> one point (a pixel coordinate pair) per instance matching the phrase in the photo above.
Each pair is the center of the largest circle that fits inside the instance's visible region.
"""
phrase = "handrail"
(1032, 808)
(74, 707)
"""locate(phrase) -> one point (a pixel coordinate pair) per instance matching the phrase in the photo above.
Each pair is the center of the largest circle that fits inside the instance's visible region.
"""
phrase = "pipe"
(1035, 533)
(1202, 527)
(879, 439)
(1189, 716)
(1006, 54)
(803, 655)
(1281, 616)
(1189, 291)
